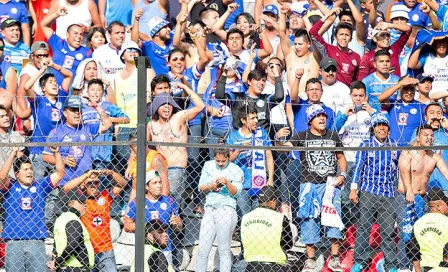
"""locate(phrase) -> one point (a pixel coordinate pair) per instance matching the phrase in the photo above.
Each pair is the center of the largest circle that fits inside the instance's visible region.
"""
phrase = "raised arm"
(4, 171)
(279, 93)
(257, 11)
(414, 62)
(54, 13)
(219, 25)
(270, 166)
(102, 12)
(59, 174)
(295, 92)
(67, 74)
(203, 52)
(76, 182)
(120, 182)
(267, 47)
(135, 32)
(199, 105)
(384, 97)
(29, 84)
(359, 22)
(248, 68)
(284, 39)
(180, 27)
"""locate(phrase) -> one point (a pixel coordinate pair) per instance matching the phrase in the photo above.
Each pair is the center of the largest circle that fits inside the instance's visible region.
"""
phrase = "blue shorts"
(310, 228)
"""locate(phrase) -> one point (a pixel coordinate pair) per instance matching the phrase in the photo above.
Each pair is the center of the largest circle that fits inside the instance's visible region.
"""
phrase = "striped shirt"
(376, 172)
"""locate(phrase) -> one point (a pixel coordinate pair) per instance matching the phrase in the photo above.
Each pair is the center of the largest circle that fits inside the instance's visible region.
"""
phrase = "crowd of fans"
(310, 73)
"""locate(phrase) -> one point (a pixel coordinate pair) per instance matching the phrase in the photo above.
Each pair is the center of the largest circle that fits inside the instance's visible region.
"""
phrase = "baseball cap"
(73, 102)
(151, 174)
(155, 224)
(8, 23)
(271, 9)
(268, 193)
(314, 110)
(127, 45)
(398, 11)
(156, 24)
(379, 118)
(423, 77)
(327, 62)
(436, 194)
(39, 46)
(299, 8)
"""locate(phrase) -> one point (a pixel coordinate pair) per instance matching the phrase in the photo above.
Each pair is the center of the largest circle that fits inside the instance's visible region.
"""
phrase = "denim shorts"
(311, 228)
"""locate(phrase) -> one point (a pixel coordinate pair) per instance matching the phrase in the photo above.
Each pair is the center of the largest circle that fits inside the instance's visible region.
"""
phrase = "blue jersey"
(5, 69)
(15, 55)
(375, 87)
(118, 10)
(91, 116)
(158, 55)
(47, 115)
(224, 122)
(301, 119)
(25, 210)
(161, 209)
(405, 119)
(416, 16)
(15, 10)
(66, 57)
(376, 171)
(84, 133)
(231, 19)
(244, 159)
(192, 75)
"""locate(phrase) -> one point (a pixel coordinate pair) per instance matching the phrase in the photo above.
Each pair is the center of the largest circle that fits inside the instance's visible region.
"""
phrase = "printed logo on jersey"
(55, 115)
(68, 62)
(403, 119)
(14, 10)
(97, 221)
(163, 206)
(25, 203)
(101, 201)
(33, 189)
(155, 214)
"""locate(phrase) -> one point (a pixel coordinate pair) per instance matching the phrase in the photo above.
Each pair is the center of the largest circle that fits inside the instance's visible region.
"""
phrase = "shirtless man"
(416, 166)
(298, 57)
(169, 124)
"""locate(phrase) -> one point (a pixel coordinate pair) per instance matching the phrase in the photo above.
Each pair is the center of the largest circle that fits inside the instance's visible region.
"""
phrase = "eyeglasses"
(331, 69)
(132, 50)
(40, 56)
(2, 47)
(176, 59)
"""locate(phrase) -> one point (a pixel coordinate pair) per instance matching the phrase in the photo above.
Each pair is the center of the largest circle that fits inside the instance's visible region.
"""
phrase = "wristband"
(343, 174)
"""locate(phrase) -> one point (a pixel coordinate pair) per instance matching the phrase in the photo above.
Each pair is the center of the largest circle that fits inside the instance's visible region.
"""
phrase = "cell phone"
(250, 43)
(358, 108)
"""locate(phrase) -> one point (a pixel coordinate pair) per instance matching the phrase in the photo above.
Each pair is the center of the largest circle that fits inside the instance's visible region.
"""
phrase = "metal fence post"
(142, 65)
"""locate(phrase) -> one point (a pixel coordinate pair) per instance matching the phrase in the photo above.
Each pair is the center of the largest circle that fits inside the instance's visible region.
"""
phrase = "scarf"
(259, 177)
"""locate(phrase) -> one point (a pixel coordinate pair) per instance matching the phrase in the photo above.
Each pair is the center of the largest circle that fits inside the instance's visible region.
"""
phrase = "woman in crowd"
(221, 181)
(96, 37)
(87, 70)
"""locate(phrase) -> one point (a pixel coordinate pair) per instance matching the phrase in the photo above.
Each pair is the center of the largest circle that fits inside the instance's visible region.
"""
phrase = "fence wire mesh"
(69, 195)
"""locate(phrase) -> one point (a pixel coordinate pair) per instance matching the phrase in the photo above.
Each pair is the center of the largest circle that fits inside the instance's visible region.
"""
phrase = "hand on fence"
(354, 196)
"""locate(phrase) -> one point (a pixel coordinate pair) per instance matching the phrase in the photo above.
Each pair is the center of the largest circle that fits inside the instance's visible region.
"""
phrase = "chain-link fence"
(196, 209)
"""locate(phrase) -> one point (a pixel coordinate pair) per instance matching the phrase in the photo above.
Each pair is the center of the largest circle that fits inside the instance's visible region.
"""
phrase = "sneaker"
(310, 266)
(356, 268)
(335, 265)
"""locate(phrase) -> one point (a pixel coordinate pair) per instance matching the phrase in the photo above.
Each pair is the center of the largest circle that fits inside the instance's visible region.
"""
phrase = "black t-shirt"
(262, 103)
(214, 4)
(317, 165)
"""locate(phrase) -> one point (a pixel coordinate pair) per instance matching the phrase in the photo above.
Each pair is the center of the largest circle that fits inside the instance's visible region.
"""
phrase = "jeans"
(215, 136)
(39, 166)
(293, 184)
(246, 203)
(194, 138)
(122, 152)
(384, 207)
(25, 256)
(349, 210)
(176, 177)
(53, 207)
(217, 223)
(105, 262)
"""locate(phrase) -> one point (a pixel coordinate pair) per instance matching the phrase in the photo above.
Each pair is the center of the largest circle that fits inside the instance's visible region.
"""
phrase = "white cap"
(399, 11)
(151, 174)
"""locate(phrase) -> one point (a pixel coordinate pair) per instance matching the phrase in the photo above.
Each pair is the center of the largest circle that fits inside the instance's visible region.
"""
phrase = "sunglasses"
(384, 36)
(93, 183)
(132, 50)
(177, 58)
(40, 56)
(331, 69)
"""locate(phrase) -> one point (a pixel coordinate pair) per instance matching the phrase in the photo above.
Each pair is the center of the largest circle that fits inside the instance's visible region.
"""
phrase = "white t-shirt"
(438, 69)
(278, 114)
(337, 97)
(110, 61)
(355, 130)
(10, 137)
(31, 70)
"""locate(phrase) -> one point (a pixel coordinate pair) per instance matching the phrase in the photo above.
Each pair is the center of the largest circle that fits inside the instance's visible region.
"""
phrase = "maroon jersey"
(348, 61)
(366, 67)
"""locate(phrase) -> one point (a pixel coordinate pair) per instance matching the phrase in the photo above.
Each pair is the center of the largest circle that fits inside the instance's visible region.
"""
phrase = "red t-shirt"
(366, 67)
(347, 61)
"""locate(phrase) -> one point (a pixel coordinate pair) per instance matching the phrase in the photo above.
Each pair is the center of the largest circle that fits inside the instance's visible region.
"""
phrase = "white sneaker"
(310, 266)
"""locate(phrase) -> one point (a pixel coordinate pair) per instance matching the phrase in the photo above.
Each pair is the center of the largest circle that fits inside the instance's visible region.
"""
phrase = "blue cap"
(73, 102)
(379, 118)
(423, 77)
(271, 8)
(314, 110)
(155, 25)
